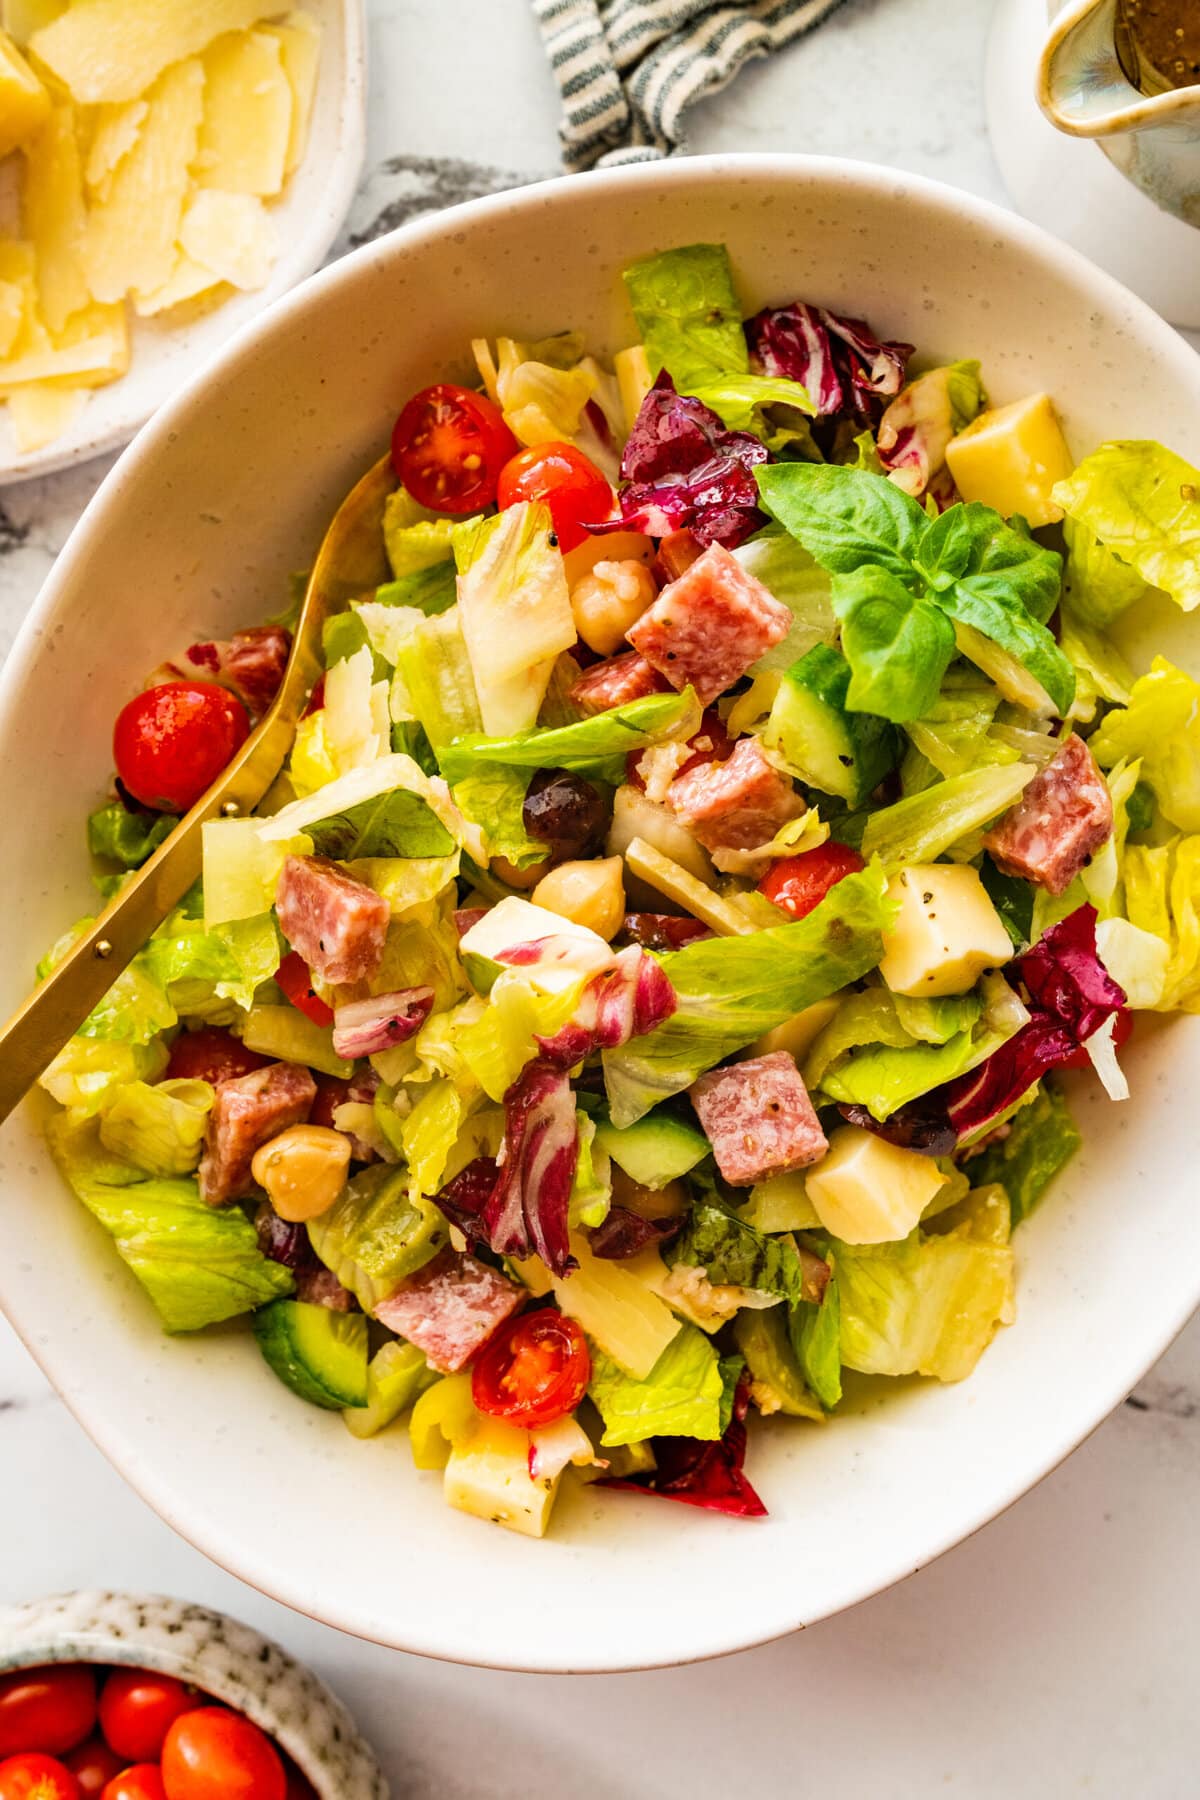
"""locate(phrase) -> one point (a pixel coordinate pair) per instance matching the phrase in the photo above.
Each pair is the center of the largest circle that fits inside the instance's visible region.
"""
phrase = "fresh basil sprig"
(901, 581)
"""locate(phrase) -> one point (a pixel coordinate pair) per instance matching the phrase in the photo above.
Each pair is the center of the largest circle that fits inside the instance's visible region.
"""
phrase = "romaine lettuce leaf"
(415, 538)
(493, 797)
(1161, 724)
(376, 1233)
(437, 675)
(739, 402)
(598, 745)
(1040, 1140)
(688, 315)
(795, 578)
(88, 1071)
(815, 1329)
(1101, 672)
(160, 1128)
(429, 1133)
(1143, 503)
(1097, 586)
(591, 1190)
(1162, 897)
(681, 1397)
(923, 826)
(127, 838)
(883, 1080)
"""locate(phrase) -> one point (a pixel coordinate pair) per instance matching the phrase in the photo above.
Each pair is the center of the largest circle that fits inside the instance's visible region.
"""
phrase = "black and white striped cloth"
(628, 69)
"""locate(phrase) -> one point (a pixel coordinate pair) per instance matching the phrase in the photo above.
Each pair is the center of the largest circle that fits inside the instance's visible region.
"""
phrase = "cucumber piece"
(320, 1355)
(396, 1375)
(762, 1338)
(842, 753)
(655, 1151)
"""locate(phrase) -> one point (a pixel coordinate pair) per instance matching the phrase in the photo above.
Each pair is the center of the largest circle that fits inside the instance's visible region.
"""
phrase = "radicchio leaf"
(844, 366)
(464, 1199)
(703, 1474)
(631, 996)
(527, 1210)
(365, 1027)
(251, 663)
(625, 1233)
(1066, 978)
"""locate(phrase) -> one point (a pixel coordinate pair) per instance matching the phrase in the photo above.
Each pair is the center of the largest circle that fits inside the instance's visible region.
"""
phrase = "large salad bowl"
(196, 531)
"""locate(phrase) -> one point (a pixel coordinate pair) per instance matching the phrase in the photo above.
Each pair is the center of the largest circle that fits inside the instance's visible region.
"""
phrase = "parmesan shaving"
(114, 49)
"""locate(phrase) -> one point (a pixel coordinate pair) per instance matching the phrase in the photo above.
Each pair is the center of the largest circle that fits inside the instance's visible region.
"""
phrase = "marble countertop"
(1052, 1654)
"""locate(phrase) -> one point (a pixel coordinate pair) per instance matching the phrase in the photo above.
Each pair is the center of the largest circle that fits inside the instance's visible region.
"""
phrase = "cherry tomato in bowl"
(51, 1710)
(449, 446)
(35, 1776)
(93, 1765)
(172, 741)
(570, 484)
(211, 1054)
(797, 884)
(138, 1708)
(534, 1371)
(215, 1754)
(142, 1781)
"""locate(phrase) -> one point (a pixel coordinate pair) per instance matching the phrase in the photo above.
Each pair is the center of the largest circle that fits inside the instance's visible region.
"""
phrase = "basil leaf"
(397, 823)
(688, 315)
(898, 645)
(845, 517)
(973, 544)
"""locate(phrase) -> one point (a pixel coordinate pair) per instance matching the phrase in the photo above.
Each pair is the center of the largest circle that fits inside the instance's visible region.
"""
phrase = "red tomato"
(295, 978)
(172, 742)
(533, 1371)
(570, 484)
(449, 446)
(141, 1782)
(211, 1054)
(215, 1754)
(137, 1708)
(36, 1777)
(798, 883)
(46, 1709)
(93, 1765)
(1122, 1031)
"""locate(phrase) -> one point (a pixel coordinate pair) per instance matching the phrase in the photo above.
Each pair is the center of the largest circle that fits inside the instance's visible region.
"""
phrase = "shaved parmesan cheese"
(232, 235)
(21, 18)
(12, 309)
(131, 235)
(114, 136)
(54, 217)
(24, 102)
(114, 49)
(247, 115)
(299, 38)
(188, 281)
(92, 350)
(41, 412)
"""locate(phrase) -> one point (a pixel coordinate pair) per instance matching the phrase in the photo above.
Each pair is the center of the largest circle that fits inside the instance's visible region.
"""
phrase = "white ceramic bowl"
(212, 1652)
(196, 531)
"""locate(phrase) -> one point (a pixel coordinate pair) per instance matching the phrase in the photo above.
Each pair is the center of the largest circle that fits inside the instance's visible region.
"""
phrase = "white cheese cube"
(946, 932)
(1011, 457)
(489, 1477)
(867, 1191)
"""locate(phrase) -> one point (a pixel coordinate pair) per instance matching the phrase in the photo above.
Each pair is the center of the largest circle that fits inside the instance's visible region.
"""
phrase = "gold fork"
(349, 563)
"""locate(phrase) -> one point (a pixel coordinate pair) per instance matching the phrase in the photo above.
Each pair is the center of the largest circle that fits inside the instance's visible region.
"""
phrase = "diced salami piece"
(1060, 821)
(250, 662)
(337, 924)
(759, 1119)
(737, 804)
(450, 1308)
(248, 1111)
(616, 682)
(709, 625)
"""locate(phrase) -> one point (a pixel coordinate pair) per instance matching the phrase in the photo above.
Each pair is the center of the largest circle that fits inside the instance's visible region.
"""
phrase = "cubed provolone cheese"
(1011, 457)
(798, 1034)
(946, 932)
(489, 1477)
(635, 378)
(867, 1191)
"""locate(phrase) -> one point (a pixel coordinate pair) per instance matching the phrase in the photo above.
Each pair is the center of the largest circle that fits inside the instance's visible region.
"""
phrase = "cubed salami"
(616, 682)
(737, 804)
(338, 925)
(759, 1119)
(1060, 821)
(247, 1112)
(709, 625)
(450, 1308)
(250, 662)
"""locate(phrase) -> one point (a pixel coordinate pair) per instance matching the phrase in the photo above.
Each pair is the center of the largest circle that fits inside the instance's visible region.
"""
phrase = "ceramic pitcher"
(1154, 139)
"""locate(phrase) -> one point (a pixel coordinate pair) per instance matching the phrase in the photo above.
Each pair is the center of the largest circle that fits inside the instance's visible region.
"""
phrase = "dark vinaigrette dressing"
(1158, 43)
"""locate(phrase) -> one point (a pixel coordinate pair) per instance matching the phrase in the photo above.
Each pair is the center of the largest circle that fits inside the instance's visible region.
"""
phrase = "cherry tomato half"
(171, 742)
(449, 446)
(215, 1754)
(141, 1782)
(137, 1709)
(211, 1054)
(798, 883)
(295, 978)
(46, 1709)
(570, 484)
(1122, 1032)
(533, 1371)
(36, 1777)
(93, 1765)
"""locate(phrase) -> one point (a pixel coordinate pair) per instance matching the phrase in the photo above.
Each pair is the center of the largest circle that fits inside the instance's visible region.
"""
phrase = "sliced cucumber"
(319, 1354)
(655, 1151)
(396, 1375)
(842, 753)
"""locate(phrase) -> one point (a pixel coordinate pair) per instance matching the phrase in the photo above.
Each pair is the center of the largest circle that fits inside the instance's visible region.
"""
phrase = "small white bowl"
(308, 219)
(213, 1653)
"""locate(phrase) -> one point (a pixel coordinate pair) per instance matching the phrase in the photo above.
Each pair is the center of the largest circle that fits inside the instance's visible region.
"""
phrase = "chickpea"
(513, 877)
(589, 893)
(610, 601)
(303, 1170)
(651, 1203)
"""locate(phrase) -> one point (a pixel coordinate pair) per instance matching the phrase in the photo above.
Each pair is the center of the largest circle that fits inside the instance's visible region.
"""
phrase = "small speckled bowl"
(213, 1653)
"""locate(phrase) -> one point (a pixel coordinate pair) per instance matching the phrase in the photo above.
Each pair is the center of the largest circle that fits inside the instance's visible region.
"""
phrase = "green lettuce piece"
(1161, 724)
(688, 315)
(739, 401)
(936, 1021)
(429, 1133)
(406, 882)
(591, 1190)
(160, 1128)
(288, 1035)
(397, 1375)
(762, 1337)
(1097, 586)
(496, 1044)
(598, 745)
(1041, 1140)
(1162, 898)
(198, 1263)
(197, 968)
(682, 1396)
(1101, 672)
(397, 823)
(733, 1254)
(375, 1234)
(796, 579)
(815, 1329)
(437, 675)
(953, 735)
(343, 636)
(134, 1010)
(493, 797)
(883, 1080)
(1143, 504)
(922, 827)
(731, 990)
(430, 591)
(878, 1018)
(88, 1071)
(415, 538)
(127, 838)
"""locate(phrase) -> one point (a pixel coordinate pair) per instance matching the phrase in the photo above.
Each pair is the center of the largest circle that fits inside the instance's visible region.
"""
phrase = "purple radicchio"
(699, 1473)
(366, 1027)
(846, 369)
(683, 470)
(913, 435)
(631, 996)
(624, 1233)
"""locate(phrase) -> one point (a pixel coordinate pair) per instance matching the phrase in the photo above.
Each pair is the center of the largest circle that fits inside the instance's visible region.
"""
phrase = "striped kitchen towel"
(628, 69)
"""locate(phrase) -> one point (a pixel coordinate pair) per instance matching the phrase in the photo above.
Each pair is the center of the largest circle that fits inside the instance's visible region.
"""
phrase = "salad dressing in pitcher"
(1158, 43)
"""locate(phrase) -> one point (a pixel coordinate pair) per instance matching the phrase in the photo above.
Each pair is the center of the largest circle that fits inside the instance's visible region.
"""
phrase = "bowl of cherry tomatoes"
(109, 1696)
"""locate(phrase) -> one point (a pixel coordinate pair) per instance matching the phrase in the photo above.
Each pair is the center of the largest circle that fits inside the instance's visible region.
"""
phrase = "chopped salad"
(641, 1002)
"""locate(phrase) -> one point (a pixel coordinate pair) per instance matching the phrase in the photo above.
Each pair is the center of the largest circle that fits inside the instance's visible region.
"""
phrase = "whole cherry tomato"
(295, 978)
(211, 1054)
(141, 1782)
(93, 1765)
(215, 1754)
(798, 883)
(449, 446)
(1122, 1032)
(50, 1709)
(34, 1776)
(570, 484)
(172, 741)
(137, 1708)
(534, 1370)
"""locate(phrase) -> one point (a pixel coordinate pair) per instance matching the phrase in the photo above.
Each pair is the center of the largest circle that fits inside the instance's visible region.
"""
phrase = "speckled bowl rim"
(146, 1631)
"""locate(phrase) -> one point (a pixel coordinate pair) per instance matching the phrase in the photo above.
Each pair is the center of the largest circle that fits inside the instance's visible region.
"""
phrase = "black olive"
(564, 812)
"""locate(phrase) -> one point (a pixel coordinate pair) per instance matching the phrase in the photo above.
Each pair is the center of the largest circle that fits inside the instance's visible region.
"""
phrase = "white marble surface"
(1055, 1652)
